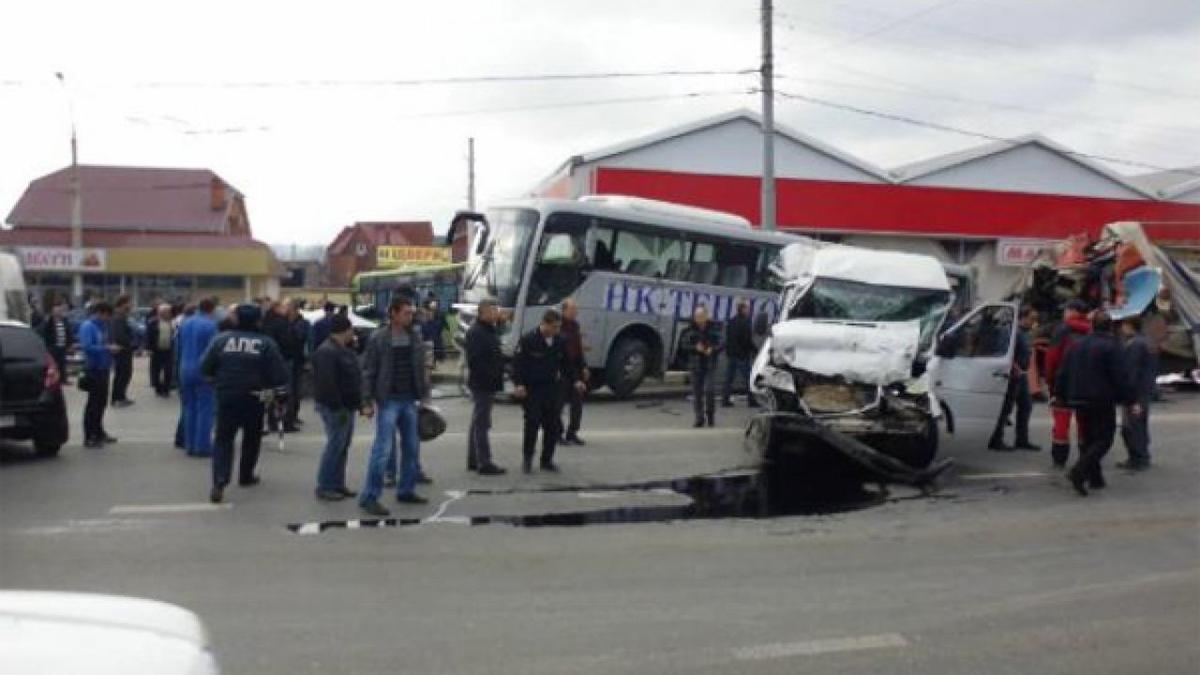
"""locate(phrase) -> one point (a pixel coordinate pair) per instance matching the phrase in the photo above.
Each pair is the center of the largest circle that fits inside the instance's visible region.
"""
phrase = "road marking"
(814, 647)
(996, 476)
(454, 495)
(193, 507)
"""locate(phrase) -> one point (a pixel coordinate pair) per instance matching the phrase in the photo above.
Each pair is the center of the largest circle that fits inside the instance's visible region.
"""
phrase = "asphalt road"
(1005, 570)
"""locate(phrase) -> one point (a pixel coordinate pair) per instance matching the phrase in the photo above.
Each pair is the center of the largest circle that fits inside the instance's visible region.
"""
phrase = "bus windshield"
(498, 270)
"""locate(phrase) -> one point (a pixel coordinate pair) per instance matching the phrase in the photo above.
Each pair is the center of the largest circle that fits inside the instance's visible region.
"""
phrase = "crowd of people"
(1091, 366)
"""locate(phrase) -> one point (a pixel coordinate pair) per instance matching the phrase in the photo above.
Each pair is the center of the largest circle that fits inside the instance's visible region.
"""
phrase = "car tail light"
(53, 377)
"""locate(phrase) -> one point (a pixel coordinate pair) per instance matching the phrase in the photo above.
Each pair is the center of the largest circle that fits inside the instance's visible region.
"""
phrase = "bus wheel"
(627, 365)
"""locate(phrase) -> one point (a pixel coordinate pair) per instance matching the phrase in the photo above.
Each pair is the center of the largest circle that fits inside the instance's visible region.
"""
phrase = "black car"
(31, 396)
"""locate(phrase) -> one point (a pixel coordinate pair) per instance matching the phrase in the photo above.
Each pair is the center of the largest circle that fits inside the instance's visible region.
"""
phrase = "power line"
(967, 132)
(412, 82)
(581, 104)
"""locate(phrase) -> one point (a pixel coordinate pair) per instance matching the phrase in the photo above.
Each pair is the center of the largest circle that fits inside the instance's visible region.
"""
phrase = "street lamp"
(76, 193)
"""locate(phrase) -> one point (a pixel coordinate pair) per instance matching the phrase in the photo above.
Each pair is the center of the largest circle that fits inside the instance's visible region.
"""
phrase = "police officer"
(540, 366)
(244, 364)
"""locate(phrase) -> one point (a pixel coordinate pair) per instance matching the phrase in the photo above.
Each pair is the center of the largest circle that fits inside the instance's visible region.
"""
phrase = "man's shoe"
(424, 480)
(389, 481)
(492, 470)
(291, 429)
(712, 421)
(374, 509)
(1026, 445)
(726, 403)
(549, 466)
(107, 440)
(1097, 483)
(527, 466)
(1060, 466)
(575, 440)
(216, 494)
(698, 423)
(1077, 482)
(347, 492)
(330, 495)
(249, 482)
(93, 443)
(124, 403)
(999, 446)
(411, 498)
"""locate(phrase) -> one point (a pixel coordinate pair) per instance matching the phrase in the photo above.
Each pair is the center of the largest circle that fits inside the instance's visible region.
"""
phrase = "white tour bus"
(637, 268)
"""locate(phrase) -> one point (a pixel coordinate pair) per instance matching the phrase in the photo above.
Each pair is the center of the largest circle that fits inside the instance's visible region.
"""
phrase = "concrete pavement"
(1004, 571)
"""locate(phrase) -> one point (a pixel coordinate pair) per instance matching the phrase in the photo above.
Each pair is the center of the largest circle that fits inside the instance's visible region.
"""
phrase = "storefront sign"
(1021, 252)
(411, 256)
(61, 259)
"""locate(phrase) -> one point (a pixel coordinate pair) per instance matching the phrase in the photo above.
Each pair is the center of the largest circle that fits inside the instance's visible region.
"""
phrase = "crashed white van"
(857, 359)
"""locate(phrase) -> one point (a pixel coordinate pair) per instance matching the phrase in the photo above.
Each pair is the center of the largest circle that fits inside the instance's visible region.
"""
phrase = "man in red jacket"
(1074, 327)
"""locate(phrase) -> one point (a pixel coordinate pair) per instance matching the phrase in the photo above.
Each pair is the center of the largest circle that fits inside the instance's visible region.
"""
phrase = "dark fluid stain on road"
(754, 495)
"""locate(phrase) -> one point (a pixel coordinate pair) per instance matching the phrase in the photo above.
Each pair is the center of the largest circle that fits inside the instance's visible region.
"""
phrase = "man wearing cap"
(485, 377)
(243, 364)
(337, 389)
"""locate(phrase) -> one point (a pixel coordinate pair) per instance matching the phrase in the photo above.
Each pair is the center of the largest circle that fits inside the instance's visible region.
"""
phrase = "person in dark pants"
(1141, 361)
(97, 368)
(121, 334)
(739, 354)
(299, 328)
(56, 333)
(701, 342)
(277, 326)
(1094, 380)
(539, 368)
(1017, 393)
(160, 340)
(1073, 328)
(433, 329)
(337, 390)
(485, 377)
(244, 367)
(572, 397)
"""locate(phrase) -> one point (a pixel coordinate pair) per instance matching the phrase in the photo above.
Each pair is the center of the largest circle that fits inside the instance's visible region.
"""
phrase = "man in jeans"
(393, 377)
(98, 357)
(337, 389)
(121, 334)
(485, 377)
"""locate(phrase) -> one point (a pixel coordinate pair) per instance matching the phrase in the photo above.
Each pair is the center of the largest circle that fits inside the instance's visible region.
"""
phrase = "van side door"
(974, 365)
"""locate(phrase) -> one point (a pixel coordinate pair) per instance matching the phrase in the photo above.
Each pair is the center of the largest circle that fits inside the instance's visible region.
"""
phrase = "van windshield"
(840, 299)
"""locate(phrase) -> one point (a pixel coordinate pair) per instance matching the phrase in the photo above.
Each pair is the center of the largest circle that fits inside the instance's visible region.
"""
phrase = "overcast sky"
(160, 83)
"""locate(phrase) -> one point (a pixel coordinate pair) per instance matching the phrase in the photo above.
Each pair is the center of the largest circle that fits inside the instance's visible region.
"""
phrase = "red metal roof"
(114, 239)
(128, 198)
(385, 233)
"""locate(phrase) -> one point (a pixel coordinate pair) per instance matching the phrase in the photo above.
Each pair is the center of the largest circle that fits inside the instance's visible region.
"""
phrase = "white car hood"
(870, 352)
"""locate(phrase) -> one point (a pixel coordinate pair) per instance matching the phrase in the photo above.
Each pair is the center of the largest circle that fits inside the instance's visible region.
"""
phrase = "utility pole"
(471, 174)
(76, 195)
(768, 119)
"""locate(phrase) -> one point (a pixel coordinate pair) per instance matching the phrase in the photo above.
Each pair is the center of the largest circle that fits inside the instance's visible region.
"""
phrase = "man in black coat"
(485, 377)
(701, 342)
(1093, 381)
(739, 352)
(337, 389)
(1141, 362)
(121, 334)
(539, 370)
(56, 333)
(278, 326)
(1017, 394)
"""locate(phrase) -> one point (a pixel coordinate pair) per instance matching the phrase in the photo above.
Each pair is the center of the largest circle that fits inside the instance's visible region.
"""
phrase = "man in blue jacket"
(246, 368)
(98, 360)
(1093, 381)
(197, 396)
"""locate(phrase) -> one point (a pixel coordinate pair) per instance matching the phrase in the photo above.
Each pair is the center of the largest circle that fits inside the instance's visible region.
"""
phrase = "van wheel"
(627, 365)
(918, 450)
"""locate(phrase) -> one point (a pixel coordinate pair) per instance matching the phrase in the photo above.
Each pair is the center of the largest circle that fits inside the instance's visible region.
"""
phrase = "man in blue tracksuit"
(98, 354)
(243, 365)
(195, 335)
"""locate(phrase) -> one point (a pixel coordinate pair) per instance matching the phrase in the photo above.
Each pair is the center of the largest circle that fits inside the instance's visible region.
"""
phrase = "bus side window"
(637, 253)
(603, 257)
